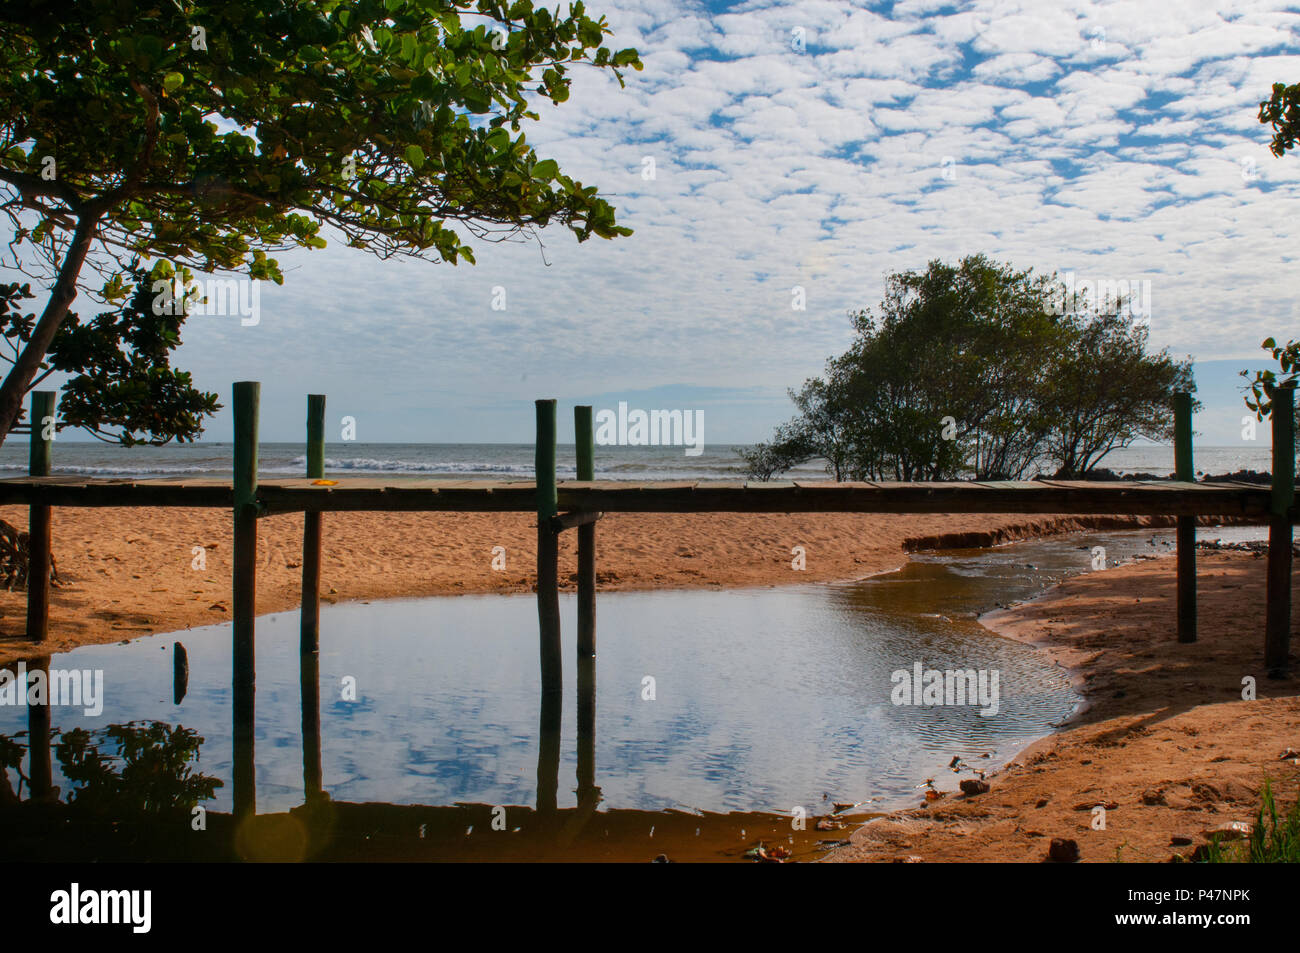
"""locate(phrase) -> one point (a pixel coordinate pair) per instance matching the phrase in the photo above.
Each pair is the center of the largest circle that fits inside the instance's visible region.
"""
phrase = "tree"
(948, 376)
(970, 370)
(822, 427)
(1265, 382)
(1106, 392)
(211, 135)
(1282, 112)
(121, 385)
(764, 460)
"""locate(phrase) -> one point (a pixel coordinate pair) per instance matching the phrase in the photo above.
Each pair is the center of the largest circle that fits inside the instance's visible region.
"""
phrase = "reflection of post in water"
(180, 673)
(245, 783)
(588, 793)
(309, 669)
(246, 394)
(40, 767)
(548, 755)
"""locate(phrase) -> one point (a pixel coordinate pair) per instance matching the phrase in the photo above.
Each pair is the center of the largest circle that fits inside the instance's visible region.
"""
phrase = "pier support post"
(309, 643)
(1184, 471)
(584, 437)
(1277, 632)
(39, 521)
(247, 395)
(548, 572)
(311, 527)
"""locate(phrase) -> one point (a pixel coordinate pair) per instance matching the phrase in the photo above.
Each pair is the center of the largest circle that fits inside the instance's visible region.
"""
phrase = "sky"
(819, 146)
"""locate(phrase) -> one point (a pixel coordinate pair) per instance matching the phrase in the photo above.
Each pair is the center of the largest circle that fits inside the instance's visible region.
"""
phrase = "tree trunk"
(28, 363)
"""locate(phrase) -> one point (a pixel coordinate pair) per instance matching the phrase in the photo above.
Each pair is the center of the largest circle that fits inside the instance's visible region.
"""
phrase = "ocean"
(495, 461)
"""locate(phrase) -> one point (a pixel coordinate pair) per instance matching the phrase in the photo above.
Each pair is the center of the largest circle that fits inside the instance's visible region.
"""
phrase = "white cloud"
(1108, 138)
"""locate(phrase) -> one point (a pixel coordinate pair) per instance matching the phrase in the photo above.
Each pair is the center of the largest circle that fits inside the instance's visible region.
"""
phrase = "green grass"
(1273, 840)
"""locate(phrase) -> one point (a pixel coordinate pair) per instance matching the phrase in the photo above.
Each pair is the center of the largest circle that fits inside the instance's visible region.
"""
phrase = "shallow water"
(762, 701)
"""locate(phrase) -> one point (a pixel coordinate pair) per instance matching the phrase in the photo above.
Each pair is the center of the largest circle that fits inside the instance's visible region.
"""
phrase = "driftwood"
(15, 558)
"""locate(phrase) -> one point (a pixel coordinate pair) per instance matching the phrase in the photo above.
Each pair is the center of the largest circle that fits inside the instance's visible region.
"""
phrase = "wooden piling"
(548, 571)
(39, 519)
(311, 528)
(584, 437)
(244, 593)
(1277, 633)
(1185, 471)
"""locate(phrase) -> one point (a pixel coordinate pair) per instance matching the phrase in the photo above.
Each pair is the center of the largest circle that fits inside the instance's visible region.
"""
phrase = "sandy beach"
(1166, 742)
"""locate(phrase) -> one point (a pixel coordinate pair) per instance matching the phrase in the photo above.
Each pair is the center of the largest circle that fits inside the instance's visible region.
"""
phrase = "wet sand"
(1167, 744)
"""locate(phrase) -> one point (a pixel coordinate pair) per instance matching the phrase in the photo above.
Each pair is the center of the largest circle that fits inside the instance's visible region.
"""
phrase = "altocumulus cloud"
(819, 145)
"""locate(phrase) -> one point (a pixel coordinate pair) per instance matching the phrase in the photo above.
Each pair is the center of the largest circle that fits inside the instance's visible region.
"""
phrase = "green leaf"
(172, 82)
(546, 170)
(415, 156)
(477, 100)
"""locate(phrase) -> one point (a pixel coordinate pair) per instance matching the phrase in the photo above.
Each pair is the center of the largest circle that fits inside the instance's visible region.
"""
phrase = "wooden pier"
(1156, 498)
(579, 504)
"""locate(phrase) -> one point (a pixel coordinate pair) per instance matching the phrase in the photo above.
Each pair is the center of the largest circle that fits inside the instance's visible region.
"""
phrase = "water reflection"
(766, 700)
(132, 790)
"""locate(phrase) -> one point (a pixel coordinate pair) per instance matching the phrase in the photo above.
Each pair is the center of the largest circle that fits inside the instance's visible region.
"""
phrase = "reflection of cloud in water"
(766, 699)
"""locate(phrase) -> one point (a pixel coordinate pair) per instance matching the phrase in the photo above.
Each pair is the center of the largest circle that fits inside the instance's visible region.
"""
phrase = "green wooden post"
(585, 439)
(548, 555)
(39, 519)
(311, 529)
(309, 642)
(1185, 471)
(1277, 632)
(247, 395)
(588, 793)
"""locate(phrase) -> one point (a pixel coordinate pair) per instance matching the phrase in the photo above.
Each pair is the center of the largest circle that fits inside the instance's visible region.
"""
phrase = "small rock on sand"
(1063, 851)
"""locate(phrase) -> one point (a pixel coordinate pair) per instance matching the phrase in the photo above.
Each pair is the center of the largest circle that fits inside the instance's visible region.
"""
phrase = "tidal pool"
(740, 703)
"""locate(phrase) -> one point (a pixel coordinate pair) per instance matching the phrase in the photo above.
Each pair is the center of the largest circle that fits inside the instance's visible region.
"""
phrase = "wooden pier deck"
(1154, 498)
